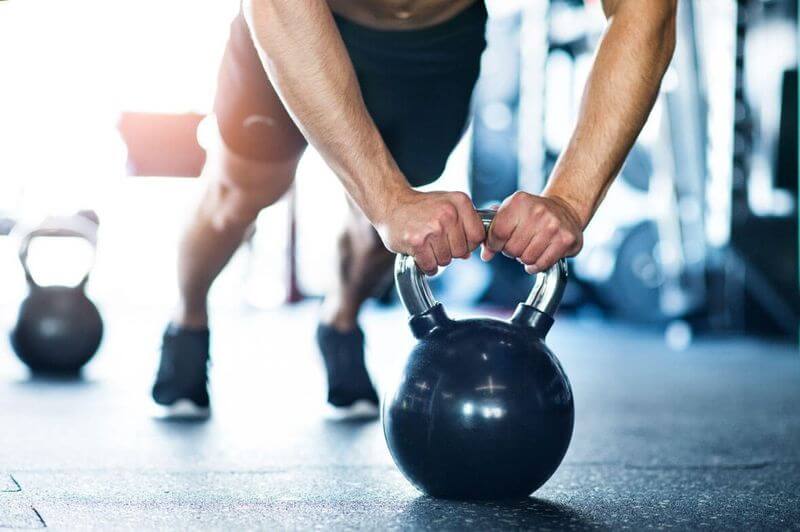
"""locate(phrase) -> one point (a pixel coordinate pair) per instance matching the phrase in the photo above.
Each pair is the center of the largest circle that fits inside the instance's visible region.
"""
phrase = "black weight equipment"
(634, 289)
(58, 328)
(483, 409)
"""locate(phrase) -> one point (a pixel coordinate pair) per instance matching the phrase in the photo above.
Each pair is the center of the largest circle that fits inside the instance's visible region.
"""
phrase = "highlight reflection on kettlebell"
(58, 328)
(483, 409)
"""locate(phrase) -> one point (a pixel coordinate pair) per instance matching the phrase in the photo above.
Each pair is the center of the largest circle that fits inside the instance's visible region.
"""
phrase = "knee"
(243, 188)
(228, 207)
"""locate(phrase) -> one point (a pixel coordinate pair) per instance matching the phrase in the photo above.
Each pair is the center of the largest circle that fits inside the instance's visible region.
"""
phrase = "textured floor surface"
(706, 438)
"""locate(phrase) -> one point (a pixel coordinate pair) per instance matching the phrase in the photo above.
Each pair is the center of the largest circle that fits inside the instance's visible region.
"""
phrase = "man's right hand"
(433, 227)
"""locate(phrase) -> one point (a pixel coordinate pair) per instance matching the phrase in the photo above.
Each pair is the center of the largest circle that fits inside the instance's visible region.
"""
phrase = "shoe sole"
(181, 409)
(359, 410)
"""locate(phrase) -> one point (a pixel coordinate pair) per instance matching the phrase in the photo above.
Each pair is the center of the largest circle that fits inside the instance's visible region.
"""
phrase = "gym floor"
(704, 438)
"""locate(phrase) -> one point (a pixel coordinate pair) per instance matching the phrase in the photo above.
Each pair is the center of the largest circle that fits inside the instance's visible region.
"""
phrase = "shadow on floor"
(531, 513)
(55, 380)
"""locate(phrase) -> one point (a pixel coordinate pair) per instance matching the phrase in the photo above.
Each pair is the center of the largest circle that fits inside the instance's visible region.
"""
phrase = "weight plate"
(634, 289)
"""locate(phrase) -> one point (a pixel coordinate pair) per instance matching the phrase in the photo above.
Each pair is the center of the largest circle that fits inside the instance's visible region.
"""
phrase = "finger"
(546, 259)
(572, 244)
(457, 238)
(425, 259)
(469, 220)
(500, 231)
(519, 240)
(534, 250)
(486, 254)
(441, 249)
(473, 228)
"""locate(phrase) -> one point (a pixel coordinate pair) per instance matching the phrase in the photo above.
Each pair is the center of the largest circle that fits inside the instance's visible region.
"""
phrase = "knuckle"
(519, 196)
(461, 199)
(415, 240)
(447, 213)
(434, 229)
(575, 247)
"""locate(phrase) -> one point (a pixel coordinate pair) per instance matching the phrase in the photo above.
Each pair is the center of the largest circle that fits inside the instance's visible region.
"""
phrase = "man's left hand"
(535, 230)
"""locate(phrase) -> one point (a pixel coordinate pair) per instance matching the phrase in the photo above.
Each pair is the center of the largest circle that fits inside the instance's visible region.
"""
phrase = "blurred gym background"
(103, 106)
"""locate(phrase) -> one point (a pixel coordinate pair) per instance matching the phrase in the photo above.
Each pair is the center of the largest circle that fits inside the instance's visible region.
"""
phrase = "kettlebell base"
(56, 375)
(485, 497)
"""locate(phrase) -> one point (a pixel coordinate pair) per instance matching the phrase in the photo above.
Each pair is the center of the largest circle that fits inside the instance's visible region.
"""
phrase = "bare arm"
(622, 87)
(303, 53)
(623, 84)
(306, 60)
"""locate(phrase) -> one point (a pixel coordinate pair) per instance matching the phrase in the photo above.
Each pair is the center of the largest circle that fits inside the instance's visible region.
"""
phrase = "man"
(381, 89)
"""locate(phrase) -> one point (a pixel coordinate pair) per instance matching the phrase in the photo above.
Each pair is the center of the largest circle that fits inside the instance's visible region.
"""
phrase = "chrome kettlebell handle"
(415, 293)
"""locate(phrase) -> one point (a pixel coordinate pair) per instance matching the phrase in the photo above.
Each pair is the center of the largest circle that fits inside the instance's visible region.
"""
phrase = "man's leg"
(250, 166)
(238, 189)
(364, 267)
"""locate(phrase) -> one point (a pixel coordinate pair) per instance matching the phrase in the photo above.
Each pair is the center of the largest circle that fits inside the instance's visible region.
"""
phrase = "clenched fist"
(536, 230)
(433, 227)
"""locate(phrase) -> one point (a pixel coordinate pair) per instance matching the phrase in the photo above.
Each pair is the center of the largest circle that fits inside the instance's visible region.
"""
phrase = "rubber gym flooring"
(705, 438)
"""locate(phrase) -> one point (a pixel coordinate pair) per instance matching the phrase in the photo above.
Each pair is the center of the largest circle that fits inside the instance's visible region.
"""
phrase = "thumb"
(486, 253)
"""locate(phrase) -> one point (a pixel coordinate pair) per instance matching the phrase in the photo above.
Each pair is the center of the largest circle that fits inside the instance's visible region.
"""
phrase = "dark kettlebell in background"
(58, 328)
(483, 409)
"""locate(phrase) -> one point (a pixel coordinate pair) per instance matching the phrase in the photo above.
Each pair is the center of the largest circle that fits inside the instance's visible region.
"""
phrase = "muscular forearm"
(306, 61)
(622, 87)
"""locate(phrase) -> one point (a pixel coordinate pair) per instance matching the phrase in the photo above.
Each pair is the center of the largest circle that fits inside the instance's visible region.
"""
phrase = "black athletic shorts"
(416, 84)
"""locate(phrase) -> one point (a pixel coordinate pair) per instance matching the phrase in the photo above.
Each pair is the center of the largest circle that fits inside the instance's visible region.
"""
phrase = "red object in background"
(162, 144)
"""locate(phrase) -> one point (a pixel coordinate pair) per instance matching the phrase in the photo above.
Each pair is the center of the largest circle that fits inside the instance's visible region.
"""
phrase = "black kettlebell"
(58, 328)
(483, 409)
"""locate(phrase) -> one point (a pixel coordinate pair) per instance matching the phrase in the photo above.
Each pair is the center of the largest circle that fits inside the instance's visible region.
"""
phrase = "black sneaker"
(181, 387)
(351, 394)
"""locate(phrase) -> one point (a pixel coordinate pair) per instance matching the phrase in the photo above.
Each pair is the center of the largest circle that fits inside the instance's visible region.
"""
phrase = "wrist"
(382, 201)
(579, 210)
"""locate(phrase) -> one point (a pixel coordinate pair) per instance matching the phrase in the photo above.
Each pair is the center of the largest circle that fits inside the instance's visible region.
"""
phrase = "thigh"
(252, 120)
